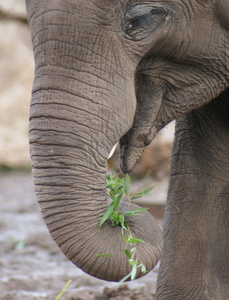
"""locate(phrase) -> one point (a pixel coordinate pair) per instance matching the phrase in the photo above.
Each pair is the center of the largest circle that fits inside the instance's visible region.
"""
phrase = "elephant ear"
(223, 13)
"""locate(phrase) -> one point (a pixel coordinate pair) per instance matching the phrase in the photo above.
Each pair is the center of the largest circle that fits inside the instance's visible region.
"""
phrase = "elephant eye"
(142, 18)
(135, 24)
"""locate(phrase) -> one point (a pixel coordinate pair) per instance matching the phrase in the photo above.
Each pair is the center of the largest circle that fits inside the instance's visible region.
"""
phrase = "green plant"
(118, 187)
(63, 290)
(20, 245)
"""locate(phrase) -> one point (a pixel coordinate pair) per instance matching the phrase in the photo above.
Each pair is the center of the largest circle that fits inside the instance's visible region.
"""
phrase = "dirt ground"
(31, 265)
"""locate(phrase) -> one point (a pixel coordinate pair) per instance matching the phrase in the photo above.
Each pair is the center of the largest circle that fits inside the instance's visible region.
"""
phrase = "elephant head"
(109, 71)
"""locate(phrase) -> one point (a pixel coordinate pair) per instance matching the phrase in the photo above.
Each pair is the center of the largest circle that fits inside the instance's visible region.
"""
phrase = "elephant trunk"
(75, 120)
(69, 168)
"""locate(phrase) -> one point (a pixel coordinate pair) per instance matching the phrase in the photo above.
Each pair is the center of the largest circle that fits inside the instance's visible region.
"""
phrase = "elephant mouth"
(132, 148)
(146, 122)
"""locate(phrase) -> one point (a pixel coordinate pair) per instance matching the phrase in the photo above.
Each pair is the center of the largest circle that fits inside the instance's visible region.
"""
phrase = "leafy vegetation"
(63, 290)
(119, 187)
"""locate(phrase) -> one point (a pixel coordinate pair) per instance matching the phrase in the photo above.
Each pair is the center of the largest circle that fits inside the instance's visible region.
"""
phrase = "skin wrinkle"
(67, 155)
(80, 81)
(63, 28)
(60, 227)
(189, 284)
(68, 13)
(59, 198)
(74, 193)
(93, 240)
(169, 117)
(77, 95)
(99, 43)
(188, 9)
(207, 175)
(91, 245)
(80, 166)
(80, 178)
(73, 150)
(54, 40)
(69, 121)
(72, 169)
(41, 16)
(61, 119)
(55, 197)
(73, 107)
(66, 212)
(58, 131)
(68, 173)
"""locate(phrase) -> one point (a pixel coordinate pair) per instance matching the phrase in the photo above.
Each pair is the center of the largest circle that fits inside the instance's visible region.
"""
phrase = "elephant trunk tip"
(102, 253)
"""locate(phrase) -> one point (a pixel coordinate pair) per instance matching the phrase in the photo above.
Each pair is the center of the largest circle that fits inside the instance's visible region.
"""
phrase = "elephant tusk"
(112, 151)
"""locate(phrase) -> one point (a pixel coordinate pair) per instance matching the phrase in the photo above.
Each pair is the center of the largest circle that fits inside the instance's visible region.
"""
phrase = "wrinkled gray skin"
(120, 70)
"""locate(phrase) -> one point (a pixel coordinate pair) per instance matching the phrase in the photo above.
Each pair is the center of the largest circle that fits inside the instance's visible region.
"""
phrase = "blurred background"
(16, 76)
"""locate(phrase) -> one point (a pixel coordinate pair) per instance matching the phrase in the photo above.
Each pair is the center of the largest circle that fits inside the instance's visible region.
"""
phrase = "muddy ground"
(31, 265)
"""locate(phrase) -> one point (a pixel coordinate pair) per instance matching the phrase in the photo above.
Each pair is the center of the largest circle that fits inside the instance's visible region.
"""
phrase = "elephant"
(109, 71)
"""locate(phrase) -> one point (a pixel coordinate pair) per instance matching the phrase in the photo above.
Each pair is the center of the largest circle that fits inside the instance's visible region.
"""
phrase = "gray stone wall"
(16, 76)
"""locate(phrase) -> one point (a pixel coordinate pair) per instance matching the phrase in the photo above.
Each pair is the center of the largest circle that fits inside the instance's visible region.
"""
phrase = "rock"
(13, 8)
(16, 78)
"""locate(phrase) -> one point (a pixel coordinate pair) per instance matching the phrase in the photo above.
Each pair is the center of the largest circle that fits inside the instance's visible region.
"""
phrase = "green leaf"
(127, 252)
(104, 255)
(124, 238)
(112, 195)
(61, 294)
(126, 185)
(143, 268)
(20, 245)
(125, 278)
(109, 177)
(144, 192)
(117, 192)
(134, 211)
(106, 215)
(135, 241)
(115, 176)
(117, 187)
(112, 184)
(147, 175)
(119, 197)
(132, 262)
(122, 221)
(114, 181)
(133, 272)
